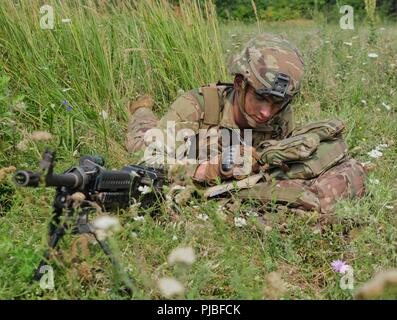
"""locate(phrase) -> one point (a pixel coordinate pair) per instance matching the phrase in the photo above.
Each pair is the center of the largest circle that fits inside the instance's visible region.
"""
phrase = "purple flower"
(64, 102)
(340, 266)
(68, 108)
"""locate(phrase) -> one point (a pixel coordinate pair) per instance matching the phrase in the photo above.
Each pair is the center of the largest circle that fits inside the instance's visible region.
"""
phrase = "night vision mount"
(279, 89)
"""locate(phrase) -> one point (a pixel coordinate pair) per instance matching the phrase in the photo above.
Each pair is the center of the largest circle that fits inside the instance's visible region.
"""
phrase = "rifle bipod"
(80, 226)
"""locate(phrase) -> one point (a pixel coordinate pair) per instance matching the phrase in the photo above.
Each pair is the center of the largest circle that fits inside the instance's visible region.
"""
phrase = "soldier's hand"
(208, 171)
(235, 162)
(238, 162)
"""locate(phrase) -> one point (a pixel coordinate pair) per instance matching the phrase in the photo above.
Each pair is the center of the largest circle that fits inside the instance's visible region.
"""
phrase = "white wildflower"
(389, 207)
(364, 102)
(348, 43)
(139, 218)
(105, 226)
(252, 213)
(240, 222)
(66, 89)
(202, 216)
(373, 55)
(363, 79)
(327, 41)
(386, 106)
(374, 181)
(66, 20)
(134, 234)
(174, 238)
(182, 255)
(144, 189)
(382, 146)
(349, 57)
(375, 154)
(104, 114)
(170, 287)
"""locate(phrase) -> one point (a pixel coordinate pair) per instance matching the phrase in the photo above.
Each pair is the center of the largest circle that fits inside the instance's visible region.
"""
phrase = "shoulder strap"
(211, 104)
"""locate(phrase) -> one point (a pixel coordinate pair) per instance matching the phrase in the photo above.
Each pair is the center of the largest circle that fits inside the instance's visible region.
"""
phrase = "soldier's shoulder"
(191, 98)
(186, 107)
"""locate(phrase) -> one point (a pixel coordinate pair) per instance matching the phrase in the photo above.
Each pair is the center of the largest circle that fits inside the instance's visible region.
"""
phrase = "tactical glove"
(238, 161)
(234, 162)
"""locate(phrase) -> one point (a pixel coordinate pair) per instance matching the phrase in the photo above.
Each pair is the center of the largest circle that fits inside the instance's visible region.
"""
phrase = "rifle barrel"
(26, 178)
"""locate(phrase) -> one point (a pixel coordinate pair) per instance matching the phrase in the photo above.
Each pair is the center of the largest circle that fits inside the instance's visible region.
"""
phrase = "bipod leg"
(55, 236)
(116, 265)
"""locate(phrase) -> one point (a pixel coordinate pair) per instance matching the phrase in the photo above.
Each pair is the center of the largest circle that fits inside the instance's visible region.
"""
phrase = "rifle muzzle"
(24, 178)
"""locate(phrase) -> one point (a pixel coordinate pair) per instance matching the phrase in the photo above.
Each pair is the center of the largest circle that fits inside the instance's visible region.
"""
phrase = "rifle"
(110, 189)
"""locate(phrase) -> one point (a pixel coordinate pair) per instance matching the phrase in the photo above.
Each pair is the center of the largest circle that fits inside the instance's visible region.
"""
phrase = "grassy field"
(110, 54)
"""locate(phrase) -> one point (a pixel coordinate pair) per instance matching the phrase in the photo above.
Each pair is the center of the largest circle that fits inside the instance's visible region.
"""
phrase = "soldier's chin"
(254, 122)
(260, 122)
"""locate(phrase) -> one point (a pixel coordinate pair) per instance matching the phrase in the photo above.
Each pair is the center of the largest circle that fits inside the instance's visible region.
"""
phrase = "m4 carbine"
(110, 189)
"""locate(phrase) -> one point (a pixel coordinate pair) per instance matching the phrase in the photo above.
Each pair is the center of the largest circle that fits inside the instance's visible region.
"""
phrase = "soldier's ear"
(238, 81)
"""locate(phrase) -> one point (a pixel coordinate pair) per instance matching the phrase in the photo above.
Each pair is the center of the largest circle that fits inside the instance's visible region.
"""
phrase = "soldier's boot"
(145, 101)
(141, 119)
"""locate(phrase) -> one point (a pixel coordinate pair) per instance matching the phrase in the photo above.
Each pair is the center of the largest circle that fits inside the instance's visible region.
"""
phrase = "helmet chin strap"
(241, 105)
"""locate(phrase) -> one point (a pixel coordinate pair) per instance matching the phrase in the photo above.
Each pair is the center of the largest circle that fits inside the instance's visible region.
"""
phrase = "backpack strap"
(211, 104)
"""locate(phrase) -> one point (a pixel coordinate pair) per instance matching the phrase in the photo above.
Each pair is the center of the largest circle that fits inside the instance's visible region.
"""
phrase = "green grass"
(113, 53)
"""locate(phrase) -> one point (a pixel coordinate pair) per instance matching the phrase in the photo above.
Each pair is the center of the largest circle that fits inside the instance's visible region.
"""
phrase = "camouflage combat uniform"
(190, 111)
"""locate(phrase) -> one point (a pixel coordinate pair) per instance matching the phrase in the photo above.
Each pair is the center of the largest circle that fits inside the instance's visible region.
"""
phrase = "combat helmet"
(271, 65)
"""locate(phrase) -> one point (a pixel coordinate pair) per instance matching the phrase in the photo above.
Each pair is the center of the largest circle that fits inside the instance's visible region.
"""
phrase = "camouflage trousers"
(345, 180)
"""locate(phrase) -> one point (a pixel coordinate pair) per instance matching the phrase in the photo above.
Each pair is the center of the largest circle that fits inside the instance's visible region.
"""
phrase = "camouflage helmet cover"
(266, 55)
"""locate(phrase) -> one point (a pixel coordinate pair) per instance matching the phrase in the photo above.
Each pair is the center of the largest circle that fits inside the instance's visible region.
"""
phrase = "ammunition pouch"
(310, 151)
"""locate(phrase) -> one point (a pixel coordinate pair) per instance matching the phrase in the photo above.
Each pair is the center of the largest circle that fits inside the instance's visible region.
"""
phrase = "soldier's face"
(262, 109)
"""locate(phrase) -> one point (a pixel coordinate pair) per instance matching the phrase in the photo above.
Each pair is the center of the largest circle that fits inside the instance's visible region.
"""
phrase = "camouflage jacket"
(188, 114)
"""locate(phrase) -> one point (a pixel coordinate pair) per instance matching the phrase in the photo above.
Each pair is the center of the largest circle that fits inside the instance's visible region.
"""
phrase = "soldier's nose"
(265, 112)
